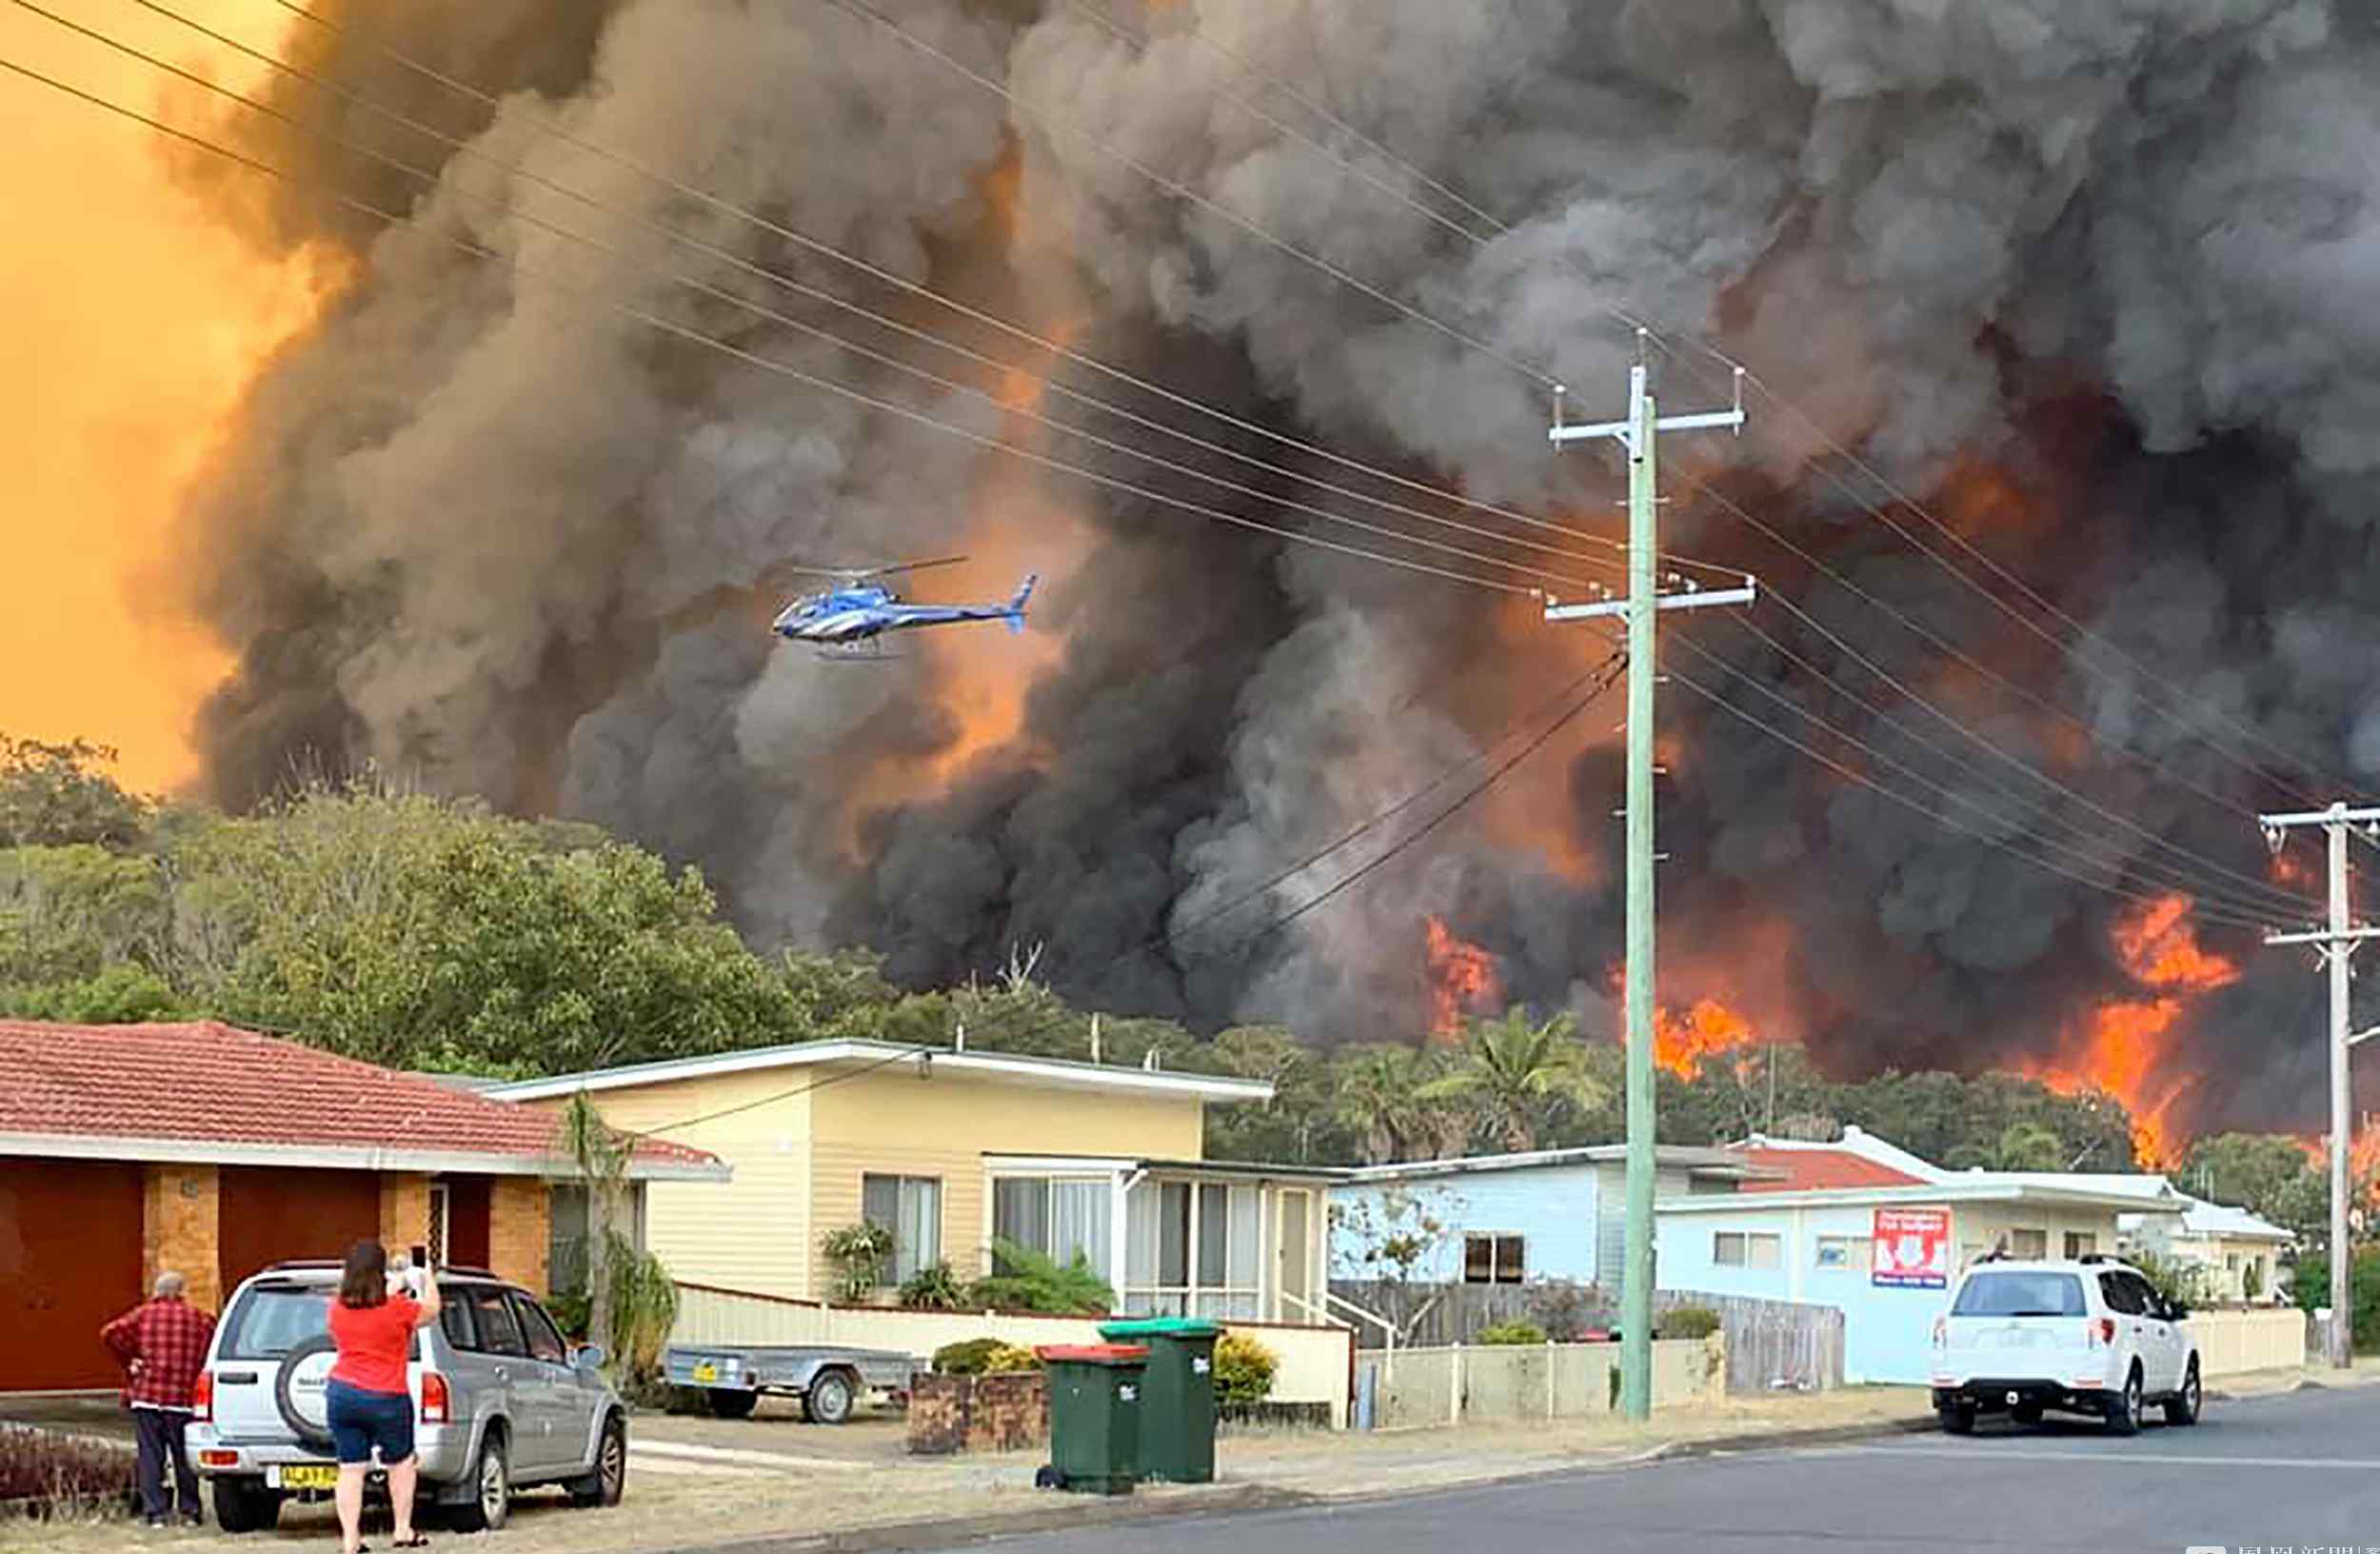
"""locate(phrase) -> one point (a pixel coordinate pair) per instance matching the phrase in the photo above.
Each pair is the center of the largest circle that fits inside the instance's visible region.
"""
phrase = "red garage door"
(70, 1260)
(271, 1215)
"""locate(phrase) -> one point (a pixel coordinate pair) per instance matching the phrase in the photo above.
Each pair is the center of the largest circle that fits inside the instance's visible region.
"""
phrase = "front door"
(1297, 1258)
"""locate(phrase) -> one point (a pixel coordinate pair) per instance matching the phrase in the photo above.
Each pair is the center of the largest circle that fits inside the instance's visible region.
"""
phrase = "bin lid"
(1160, 1327)
(1093, 1354)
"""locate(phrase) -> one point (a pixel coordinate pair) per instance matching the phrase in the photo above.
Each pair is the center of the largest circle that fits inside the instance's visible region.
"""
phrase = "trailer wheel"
(831, 1397)
(734, 1405)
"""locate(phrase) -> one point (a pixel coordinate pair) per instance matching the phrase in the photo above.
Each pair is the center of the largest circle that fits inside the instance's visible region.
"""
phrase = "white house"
(2240, 1252)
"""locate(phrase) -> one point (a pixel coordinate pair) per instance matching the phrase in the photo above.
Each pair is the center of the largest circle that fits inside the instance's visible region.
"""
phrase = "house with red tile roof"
(213, 1152)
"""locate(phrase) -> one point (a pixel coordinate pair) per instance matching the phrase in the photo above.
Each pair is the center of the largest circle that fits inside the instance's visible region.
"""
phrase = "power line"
(2181, 702)
(1591, 685)
(2047, 842)
(766, 364)
(466, 149)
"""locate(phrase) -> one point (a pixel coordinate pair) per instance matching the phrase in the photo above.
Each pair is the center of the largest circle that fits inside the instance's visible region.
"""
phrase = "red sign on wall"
(1913, 1248)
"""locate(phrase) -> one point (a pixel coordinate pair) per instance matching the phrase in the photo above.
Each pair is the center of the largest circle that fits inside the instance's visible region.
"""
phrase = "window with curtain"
(911, 1207)
(1061, 1217)
(1194, 1248)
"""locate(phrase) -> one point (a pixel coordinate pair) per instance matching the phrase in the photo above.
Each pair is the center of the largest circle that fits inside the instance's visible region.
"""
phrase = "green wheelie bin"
(1095, 1410)
(1178, 1417)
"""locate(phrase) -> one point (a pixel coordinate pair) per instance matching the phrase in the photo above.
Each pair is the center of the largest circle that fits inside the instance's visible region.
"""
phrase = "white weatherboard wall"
(1315, 1362)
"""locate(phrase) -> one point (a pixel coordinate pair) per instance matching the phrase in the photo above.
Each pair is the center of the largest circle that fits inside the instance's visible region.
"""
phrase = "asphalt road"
(2299, 1472)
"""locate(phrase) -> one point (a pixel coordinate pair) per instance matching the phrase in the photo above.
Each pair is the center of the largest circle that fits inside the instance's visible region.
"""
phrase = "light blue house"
(1510, 1219)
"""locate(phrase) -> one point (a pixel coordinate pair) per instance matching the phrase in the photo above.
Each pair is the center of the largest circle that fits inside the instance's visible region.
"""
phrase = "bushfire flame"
(1707, 1030)
(1463, 979)
(2126, 1051)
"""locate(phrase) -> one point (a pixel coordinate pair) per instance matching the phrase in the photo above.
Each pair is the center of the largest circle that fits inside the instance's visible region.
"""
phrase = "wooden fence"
(1771, 1344)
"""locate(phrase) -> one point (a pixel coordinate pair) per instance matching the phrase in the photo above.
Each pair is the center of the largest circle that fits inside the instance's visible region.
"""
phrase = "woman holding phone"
(372, 1322)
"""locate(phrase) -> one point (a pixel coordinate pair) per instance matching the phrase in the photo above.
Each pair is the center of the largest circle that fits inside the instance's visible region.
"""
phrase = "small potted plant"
(859, 1254)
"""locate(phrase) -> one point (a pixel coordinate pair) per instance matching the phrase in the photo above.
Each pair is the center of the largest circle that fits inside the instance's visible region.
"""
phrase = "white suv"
(2088, 1337)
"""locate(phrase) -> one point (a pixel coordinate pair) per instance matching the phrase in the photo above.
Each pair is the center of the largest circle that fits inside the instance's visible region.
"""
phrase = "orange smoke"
(1708, 1029)
(2128, 1050)
(139, 321)
(1463, 979)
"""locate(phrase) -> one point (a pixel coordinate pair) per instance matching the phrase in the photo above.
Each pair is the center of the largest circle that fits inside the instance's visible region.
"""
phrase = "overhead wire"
(544, 123)
(1588, 689)
(769, 364)
(466, 149)
(2180, 699)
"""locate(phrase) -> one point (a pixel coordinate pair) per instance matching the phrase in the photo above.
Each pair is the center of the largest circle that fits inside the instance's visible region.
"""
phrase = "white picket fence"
(1430, 1389)
(1315, 1362)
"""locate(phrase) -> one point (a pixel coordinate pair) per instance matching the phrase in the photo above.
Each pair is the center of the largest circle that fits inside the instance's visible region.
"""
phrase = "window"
(1193, 1248)
(495, 1327)
(1493, 1259)
(1852, 1253)
(2121, 1296)
(2080, 1243)
(2015, 1294)
(545, 1340)
(911, 1208)
(2033, 1245)
(454, 1318)
(270, 1319)
(1747, 1249)
(440, 1208)
(2231, 1262)
(1061, 1217)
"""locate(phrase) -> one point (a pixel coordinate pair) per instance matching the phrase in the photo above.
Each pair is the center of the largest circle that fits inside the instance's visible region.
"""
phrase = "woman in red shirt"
(369, 1403)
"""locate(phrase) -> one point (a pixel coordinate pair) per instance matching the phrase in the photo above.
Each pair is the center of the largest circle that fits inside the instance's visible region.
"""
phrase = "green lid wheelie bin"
(1177, 1419)
(1095, 1407)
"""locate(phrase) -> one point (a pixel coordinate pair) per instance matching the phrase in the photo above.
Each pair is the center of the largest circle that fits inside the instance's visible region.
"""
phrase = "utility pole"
(1637, 435)
(2334, 946)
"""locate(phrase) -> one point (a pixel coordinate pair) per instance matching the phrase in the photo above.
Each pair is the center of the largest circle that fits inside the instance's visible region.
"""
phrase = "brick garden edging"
(1004, 1411)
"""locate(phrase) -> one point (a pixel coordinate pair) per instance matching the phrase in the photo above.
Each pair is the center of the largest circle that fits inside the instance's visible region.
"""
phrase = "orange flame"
(1708, 1029)
(2127, 1050)
(1463, 979)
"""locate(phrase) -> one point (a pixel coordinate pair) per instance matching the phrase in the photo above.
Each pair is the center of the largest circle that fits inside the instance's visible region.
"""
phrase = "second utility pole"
(2336, 944)
(1638, 434)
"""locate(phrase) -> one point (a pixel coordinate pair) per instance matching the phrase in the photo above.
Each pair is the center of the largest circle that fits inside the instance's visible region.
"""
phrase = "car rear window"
(2015, 1294)
(270, 1319)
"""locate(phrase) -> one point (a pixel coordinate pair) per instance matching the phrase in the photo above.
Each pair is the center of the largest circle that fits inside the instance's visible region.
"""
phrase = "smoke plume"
(2100, 281)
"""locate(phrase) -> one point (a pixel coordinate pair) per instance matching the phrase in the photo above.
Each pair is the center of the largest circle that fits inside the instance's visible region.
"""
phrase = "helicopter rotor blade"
(913, 565)
(854, 575)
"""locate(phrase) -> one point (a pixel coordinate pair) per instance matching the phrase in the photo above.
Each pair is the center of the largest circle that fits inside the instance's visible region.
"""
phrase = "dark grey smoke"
(2125, 251)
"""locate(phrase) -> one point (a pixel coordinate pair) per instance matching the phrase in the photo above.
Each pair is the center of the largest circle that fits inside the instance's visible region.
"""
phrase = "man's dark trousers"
(161, 1443)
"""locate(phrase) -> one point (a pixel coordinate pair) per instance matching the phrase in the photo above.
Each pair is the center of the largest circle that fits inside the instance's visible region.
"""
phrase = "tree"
(599, 1158)
(2268, 1174)
(2029, 1146)
(57, 795)
(1378, 1096)
(1392, 1242)
(1516, 1072)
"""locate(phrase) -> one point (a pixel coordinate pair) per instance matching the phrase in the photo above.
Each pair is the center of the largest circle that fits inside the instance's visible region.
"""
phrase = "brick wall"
(1004, 1412)
(181, 1225)
(404, 1210)
(519, 1231)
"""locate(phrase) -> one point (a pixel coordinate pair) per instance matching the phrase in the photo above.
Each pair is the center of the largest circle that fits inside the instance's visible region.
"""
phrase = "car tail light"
(203, 1396)
(437, 1403)
(2104, 1331)
(1942, 1331)
(218, 1458)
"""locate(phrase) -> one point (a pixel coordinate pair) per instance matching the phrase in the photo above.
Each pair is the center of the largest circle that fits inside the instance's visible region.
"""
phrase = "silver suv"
(502, 1402)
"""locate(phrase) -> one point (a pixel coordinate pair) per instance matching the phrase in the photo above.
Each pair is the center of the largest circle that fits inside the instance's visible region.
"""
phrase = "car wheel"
(2124, 1408)
(734, 1405)
(605, 1482)
(2182, 1407)
(2026, 1414)
(490, 1487)
(831, 1398)
(1958, 1417)
(245, 1506)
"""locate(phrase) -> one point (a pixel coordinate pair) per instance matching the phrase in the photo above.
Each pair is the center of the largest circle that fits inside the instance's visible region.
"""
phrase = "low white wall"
(2231, 1341)
(1315, 1362)
(1434, 1387)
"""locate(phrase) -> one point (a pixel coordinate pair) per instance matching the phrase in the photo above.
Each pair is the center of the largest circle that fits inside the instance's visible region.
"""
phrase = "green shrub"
(1687, 1321)
(1243, 1369)
(1024, 1280)
(859, 1254)
(966, 1357)
(2177, 1281)
(2313, 1291)
(982, 1357)
(933, 1288)
(47, 1475)
(1516, 1332)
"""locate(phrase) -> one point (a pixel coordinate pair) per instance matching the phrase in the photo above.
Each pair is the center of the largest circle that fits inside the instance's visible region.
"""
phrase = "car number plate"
(308, 1476)
(707, 1372)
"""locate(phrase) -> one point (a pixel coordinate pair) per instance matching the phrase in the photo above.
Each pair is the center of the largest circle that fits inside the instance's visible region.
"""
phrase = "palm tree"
(599, 1156)
(1376, 1099)
(1515, 1071)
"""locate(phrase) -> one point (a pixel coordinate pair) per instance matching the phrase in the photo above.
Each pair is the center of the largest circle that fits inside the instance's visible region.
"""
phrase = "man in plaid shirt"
(163, 1344)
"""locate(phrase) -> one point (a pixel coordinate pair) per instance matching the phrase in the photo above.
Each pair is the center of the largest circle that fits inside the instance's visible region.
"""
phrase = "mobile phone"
(420, 1256)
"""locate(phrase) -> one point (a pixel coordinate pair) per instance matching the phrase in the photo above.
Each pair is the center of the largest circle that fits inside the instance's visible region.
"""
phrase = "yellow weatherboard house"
(949, 1148)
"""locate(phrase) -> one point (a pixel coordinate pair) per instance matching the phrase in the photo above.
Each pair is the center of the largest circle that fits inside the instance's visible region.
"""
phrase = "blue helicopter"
(857, 611)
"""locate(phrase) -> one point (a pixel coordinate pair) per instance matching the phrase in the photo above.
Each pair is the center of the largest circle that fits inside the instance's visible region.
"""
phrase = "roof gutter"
(336, 1157)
